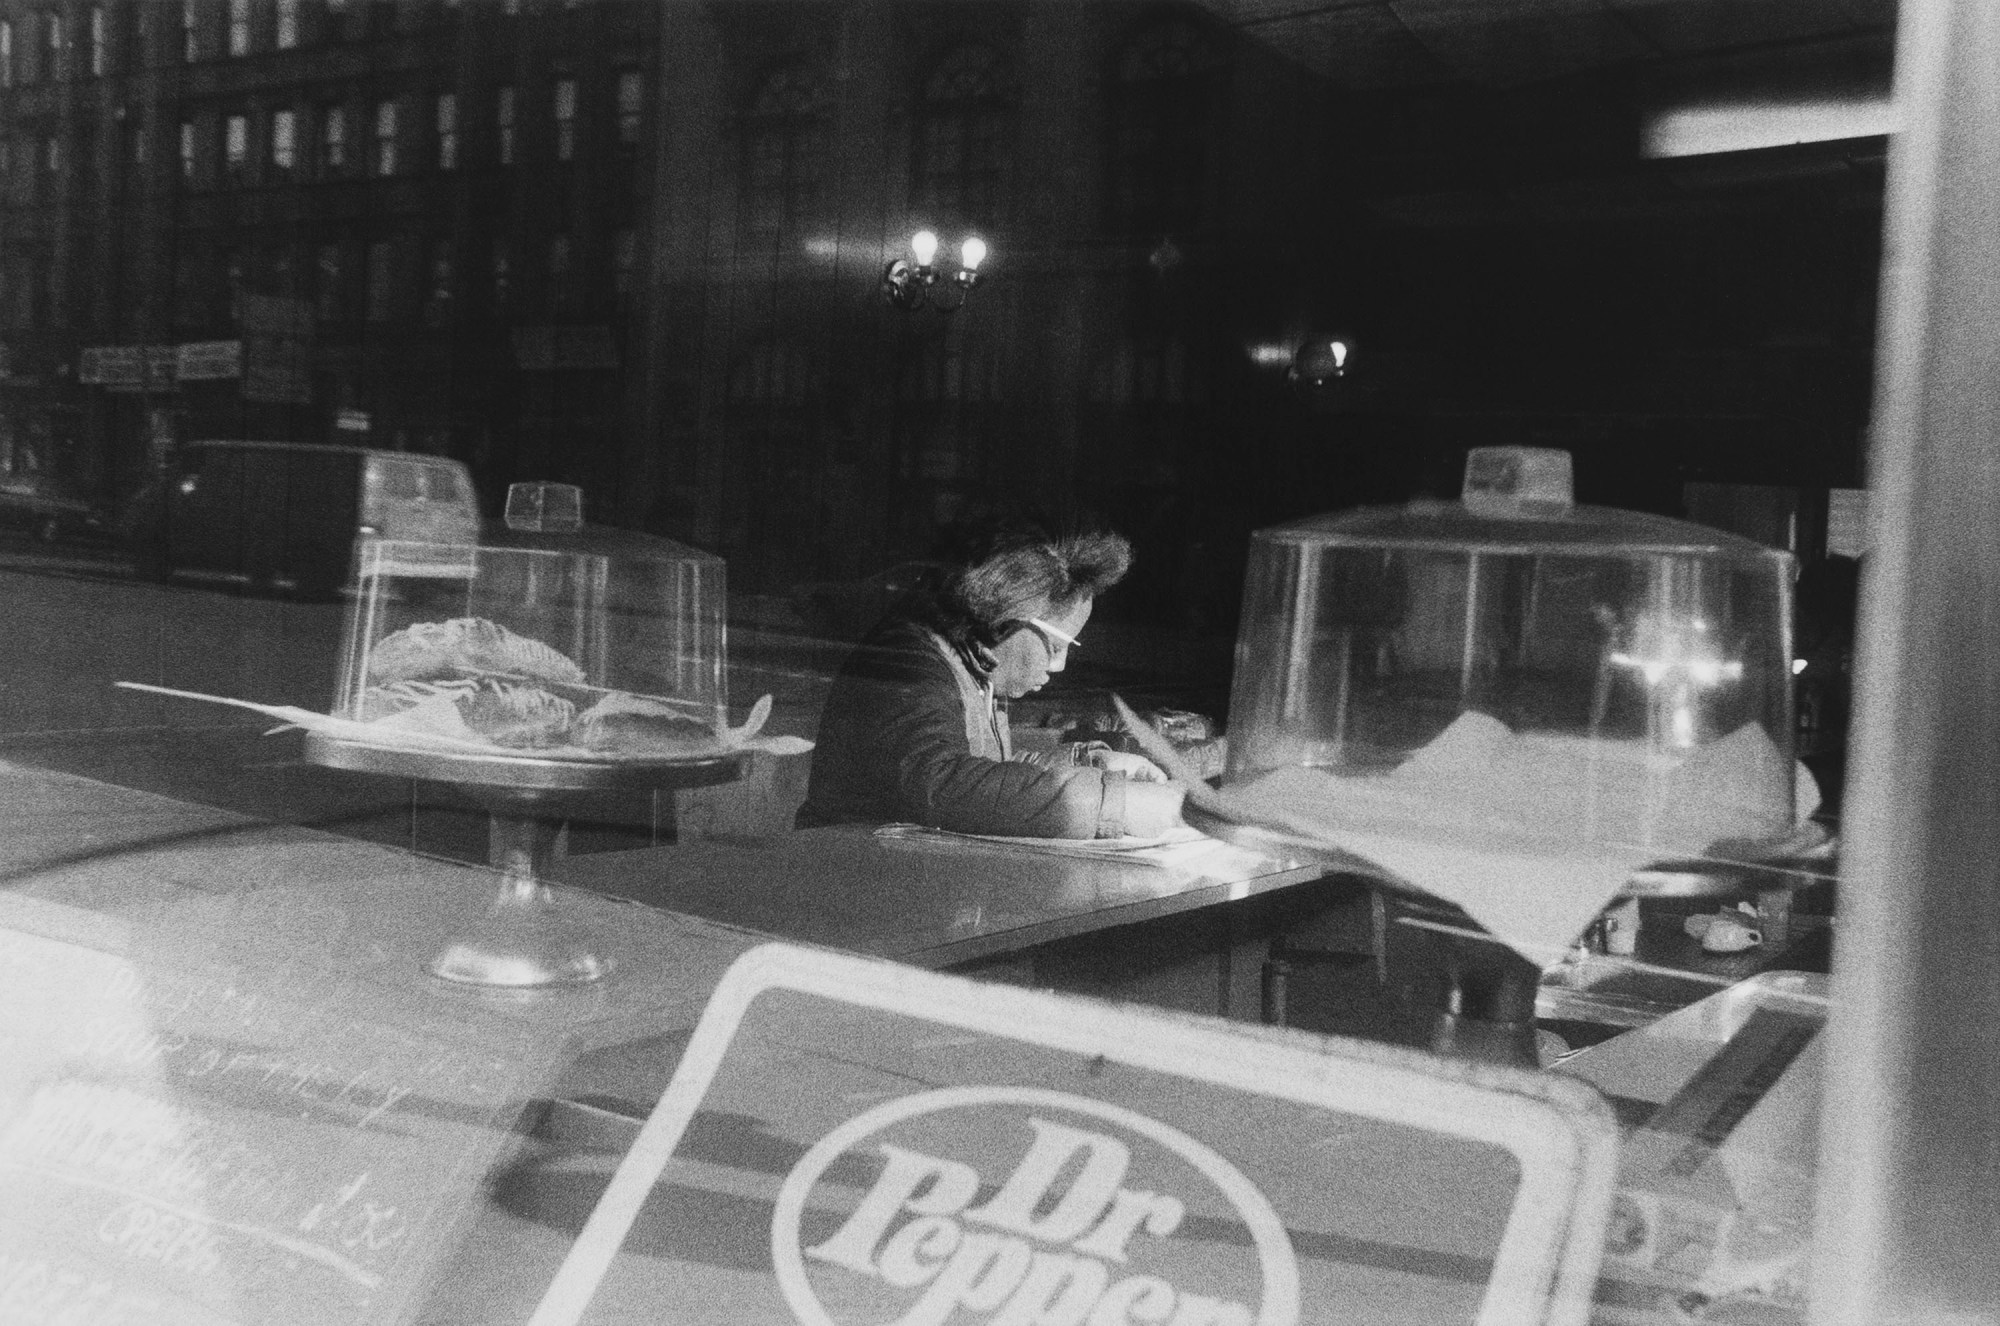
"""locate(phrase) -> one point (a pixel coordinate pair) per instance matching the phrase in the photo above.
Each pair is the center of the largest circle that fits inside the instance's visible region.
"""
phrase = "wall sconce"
(1320, 362)
(910, 286)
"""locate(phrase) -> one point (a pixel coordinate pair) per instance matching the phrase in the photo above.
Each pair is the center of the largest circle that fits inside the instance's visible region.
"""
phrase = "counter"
(232, 1095)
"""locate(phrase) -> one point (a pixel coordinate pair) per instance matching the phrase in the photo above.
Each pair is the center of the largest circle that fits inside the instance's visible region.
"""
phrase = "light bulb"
(923, 244)
(1339, 349)
(972, 253)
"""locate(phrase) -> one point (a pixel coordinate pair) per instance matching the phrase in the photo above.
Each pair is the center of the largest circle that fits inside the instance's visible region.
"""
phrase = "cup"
(1728, 933)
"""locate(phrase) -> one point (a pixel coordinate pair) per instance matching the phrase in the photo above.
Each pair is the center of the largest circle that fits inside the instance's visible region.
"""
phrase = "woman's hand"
(1136, 767)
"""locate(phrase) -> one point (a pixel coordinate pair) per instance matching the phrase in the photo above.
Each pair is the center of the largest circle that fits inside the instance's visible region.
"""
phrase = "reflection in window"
(52, 160)
(1164, 97)
(447, 131)
(385, 139)
(191, 286)
(137, 132)
(502, 272)
(559, 270)
(333, 140)
(235, 275)
(284, 272)
(239, 27)
(784, 153)
(565, 109)
(381, 280)
(284, 140)
(437, 292)
(631, 106)
(961, 133)
(1146, 399)
(328, 299)
(287, 24)
(769, 501)
(235, 146)
(187, 151)
(625, 265)
(503, 117)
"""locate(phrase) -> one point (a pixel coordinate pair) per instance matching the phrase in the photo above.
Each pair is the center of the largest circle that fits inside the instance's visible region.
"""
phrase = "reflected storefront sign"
(128, 367)
(158, 367)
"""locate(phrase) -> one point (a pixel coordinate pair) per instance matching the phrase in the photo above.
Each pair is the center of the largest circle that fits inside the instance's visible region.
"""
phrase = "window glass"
(287, 27)
(384, 146)
(631, 105)
(333, 139)
(239, 27)
(328, 289)
(442, 276)
(6, 53)
(785, 137)
(503, 119)
(381, 280)
(1160, 129)
(284, 139)
(501, 272)
(962, 137)
(236, 144)
(447, 131)
(97, 40)
(565, 116)
(190, 31)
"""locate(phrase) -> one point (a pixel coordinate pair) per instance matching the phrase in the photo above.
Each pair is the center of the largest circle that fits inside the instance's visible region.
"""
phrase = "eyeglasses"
(1051, 634)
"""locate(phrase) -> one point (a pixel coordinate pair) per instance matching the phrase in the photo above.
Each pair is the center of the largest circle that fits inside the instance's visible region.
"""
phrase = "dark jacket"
(911, 733)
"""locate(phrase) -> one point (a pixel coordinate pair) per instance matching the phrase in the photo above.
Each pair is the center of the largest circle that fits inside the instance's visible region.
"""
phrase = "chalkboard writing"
(209, 1146)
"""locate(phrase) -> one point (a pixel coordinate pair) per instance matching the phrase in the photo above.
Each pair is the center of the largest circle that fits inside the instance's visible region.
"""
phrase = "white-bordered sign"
(847, 1141)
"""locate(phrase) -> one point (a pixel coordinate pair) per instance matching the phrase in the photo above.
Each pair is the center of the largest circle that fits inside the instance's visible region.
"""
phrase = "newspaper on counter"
(1531, 835)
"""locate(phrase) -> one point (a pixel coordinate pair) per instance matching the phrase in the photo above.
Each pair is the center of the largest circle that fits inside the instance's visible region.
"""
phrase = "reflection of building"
(634, 246)
(433, 218)
(411, 223)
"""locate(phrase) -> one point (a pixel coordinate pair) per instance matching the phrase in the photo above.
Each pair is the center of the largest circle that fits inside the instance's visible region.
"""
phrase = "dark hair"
(1017, 574)
(1002, 574)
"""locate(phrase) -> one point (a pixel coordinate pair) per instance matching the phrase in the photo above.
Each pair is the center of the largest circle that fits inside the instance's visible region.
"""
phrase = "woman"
(914, 728)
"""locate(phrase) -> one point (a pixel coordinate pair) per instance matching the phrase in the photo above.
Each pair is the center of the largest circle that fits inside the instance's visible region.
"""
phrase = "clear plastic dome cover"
(1515, 667)
(588, 645)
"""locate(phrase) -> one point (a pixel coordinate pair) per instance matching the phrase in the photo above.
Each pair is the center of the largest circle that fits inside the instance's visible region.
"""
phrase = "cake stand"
(523, 941)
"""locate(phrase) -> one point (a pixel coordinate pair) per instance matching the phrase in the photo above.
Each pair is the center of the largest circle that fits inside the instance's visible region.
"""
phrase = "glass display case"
(573, 650)
(548, 664)
(1519, 666)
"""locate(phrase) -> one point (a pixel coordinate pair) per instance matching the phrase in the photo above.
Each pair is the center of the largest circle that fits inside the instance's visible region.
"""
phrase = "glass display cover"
(1517, 666)
(603, 651)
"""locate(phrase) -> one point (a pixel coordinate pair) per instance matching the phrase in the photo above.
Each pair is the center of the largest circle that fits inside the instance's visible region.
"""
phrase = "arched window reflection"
(1164, 95)
(784, 153)
(772, 512)
(963, 128)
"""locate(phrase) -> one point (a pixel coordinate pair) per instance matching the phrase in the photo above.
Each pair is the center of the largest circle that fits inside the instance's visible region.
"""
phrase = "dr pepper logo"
(1017, 1206)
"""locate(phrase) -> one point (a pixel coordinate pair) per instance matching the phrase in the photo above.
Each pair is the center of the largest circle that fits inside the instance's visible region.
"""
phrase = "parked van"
(286, 515)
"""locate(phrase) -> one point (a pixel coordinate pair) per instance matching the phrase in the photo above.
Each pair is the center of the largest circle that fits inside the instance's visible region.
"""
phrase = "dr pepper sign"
(851, 1143)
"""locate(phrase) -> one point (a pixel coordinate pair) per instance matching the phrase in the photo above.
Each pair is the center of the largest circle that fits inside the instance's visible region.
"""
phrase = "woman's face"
(1026, 658)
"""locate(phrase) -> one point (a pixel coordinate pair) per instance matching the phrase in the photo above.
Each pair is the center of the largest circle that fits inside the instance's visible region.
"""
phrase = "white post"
(1909, 1204)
